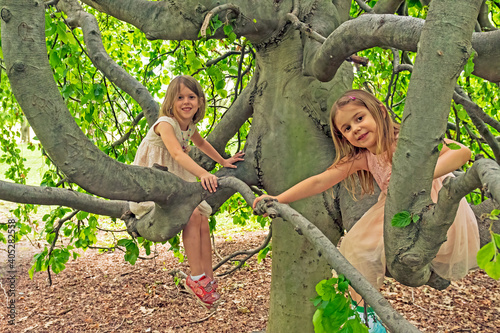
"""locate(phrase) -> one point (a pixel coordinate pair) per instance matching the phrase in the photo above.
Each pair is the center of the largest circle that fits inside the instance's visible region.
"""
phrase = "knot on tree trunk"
(412, 259)
(131, 222)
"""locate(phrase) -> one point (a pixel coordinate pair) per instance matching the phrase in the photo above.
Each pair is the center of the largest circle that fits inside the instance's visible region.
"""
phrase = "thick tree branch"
(400, 32)
(387, 6)
(444, 48)
(364, 32)
(62, 197)
(484, 18)
(487, 62)
(182, 19)
(77, 17)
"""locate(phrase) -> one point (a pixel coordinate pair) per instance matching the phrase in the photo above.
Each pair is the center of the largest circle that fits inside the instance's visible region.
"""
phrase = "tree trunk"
(292, 112)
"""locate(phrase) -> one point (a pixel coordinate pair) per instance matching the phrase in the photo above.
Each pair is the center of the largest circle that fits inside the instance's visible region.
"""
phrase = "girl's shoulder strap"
(172, 121)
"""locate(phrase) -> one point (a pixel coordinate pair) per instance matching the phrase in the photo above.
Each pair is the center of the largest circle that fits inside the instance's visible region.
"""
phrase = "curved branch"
(329, 251)
(38, 195)
(487, 62)
(364, 6)
(479, 117)
(212, 12)
(400, 32)
(364, 32)
(484, 18)
(248, 254)
(100, 58)
(127, 135)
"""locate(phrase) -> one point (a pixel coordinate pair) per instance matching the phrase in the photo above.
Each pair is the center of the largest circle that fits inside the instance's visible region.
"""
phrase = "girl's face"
(357, 125)
(186, 105)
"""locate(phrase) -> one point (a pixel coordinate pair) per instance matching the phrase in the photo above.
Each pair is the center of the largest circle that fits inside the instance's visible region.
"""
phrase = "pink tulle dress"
(363, 245)
(152, 150)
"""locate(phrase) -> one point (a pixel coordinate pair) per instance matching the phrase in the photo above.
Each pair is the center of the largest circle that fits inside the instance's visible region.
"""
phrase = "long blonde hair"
(387, 131)
(173, 90)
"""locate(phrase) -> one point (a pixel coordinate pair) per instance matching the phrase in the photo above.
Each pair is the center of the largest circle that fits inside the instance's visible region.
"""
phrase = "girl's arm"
(318, 183)
(450, 160)
(208, 149)
(166, 131)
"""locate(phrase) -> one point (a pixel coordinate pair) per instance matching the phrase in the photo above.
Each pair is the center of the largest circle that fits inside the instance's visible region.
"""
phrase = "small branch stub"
(6, 15)
(210, 14)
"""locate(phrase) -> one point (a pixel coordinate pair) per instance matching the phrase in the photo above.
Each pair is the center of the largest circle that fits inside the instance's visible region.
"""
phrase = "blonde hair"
(173, 90)
(387, 131)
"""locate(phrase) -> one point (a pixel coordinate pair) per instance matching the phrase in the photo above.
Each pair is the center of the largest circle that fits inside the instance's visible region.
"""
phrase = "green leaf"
(316, 300)
(132, 253)
(344, 286)
(228, 29)
(469, 67)
(32, 271)
(453, 146)
(496, 240)
(401, 219)
(82, 215)
(493, 269)
(485, 255)
(124, 242)
(317, 321)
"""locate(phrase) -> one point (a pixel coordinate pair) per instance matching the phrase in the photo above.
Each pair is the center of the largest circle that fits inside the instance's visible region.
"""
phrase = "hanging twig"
(56, 231)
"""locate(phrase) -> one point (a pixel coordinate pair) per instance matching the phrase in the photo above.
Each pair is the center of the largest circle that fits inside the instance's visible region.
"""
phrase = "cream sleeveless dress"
(363, 245)
(152, 150)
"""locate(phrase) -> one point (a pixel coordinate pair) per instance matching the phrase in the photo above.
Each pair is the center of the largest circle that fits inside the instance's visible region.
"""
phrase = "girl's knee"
(196, 218)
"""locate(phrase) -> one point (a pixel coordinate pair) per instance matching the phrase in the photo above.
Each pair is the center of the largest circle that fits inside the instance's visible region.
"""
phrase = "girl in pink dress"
(167, 144)
(365, 139)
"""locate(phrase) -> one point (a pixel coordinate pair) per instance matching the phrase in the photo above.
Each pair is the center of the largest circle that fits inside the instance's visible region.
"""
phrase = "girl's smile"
(358, 126)
(185, 106)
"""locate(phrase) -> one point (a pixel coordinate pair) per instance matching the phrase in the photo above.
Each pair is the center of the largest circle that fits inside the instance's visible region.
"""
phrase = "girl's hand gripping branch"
(229, 162)
(266, 198)
(209, 182)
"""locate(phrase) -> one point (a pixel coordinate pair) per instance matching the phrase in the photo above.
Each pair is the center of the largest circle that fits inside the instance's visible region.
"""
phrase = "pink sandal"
(204, 290)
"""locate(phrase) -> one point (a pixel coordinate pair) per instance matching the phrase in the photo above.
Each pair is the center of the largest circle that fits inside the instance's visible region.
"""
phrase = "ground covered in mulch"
(100, 292)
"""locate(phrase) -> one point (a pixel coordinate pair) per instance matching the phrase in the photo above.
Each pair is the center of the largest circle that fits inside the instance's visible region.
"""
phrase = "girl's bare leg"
(191, 237)
(206, 248)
